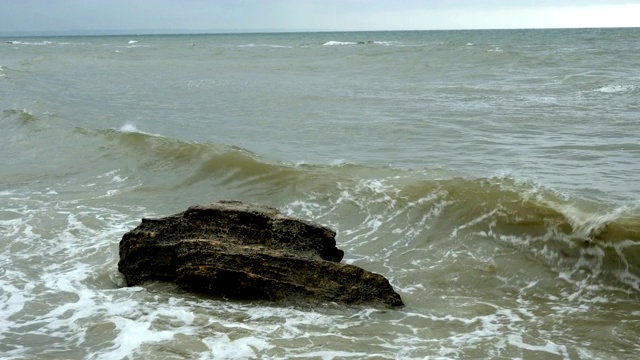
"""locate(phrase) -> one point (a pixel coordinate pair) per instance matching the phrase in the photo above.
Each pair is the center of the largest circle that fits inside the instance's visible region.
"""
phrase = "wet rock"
(246, 251)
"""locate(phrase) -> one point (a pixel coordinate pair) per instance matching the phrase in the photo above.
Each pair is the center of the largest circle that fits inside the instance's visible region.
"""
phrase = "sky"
(139, 16)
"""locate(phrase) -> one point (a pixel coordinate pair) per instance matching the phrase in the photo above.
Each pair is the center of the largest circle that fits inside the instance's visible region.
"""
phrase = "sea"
(491, 176)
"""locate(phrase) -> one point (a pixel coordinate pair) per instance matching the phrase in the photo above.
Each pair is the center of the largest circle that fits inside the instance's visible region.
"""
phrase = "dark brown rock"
(247, 251)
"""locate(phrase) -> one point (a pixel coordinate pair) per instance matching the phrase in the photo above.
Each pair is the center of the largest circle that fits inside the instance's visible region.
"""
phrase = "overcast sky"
(296, 15)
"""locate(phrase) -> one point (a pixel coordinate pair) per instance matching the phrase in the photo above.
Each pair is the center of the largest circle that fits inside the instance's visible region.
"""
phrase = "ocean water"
(491, 176)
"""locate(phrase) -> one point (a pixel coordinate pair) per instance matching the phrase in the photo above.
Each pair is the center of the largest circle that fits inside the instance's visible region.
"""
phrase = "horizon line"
(141, 32)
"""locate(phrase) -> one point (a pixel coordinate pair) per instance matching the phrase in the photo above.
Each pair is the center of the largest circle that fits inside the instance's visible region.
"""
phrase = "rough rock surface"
(248, 251)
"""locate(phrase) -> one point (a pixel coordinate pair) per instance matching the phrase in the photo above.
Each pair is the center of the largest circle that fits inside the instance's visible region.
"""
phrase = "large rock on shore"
(245, 251)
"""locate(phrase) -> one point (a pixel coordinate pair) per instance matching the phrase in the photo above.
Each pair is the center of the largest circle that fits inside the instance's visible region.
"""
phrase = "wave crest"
(382, 211)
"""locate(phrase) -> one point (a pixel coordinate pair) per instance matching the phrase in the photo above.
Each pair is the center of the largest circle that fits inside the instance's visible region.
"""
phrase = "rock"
(246, 251)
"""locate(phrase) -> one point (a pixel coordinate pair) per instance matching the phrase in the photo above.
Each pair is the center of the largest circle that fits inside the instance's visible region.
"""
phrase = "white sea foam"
(132, 333)
(62, 267)
(132, 128)
(136, 322)
(479, 219)
(329, 355)
(334, 43)
(132, 321)
(549, 347)
(587, 225)
(37, 43)
(385, 43)
(617, 89)
(129, 127)
(266, 45)
(338, 162)
(222, 347)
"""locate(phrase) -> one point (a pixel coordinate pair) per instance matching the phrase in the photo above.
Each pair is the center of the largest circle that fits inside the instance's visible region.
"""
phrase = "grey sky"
(203, 15)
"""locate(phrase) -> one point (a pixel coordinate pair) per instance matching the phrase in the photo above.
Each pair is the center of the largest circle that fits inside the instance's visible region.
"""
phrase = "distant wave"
(131, 128)
(251, 45)
(617, 89)
(128, 127)
(369, 42)
(46, 42)
(40, 43)
(334, 43)
(327, 43)
(19, 116)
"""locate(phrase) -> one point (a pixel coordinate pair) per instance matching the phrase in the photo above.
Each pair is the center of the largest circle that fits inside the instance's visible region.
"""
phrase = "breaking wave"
(617, 89)
(398, 208)
(430, 233)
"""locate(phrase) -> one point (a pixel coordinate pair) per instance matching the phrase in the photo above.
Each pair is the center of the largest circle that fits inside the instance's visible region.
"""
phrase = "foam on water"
(53, 268)
(266, 45)
(222, 347)
(37, 43)
(386, 43)
(583, 274)
(132, 128)
(334, 43)
(339, 162)
(617, 89)
(74, 303)
(75, 297)
(129, 127)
